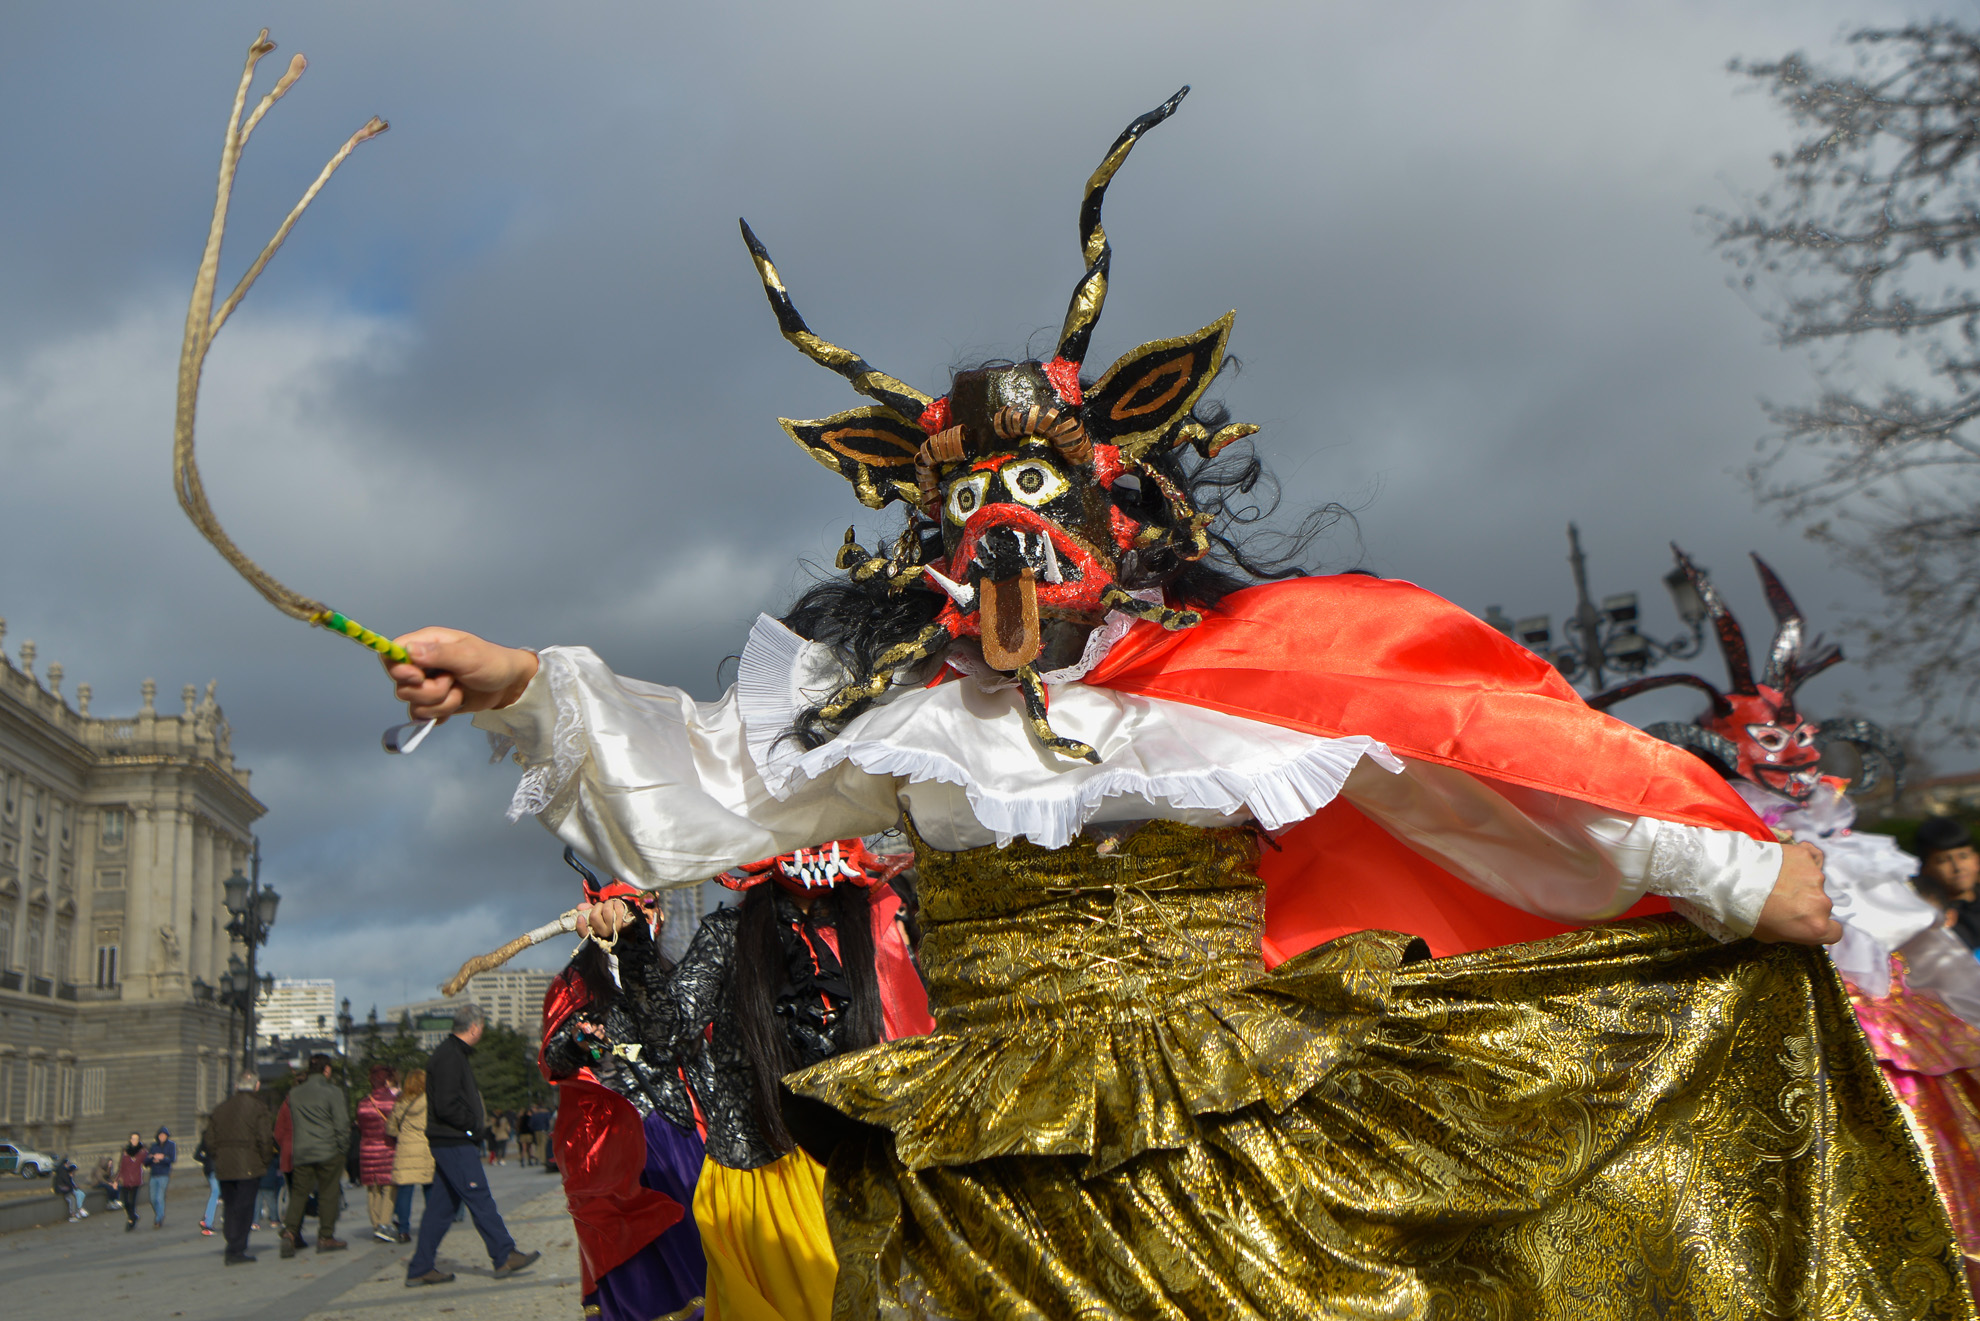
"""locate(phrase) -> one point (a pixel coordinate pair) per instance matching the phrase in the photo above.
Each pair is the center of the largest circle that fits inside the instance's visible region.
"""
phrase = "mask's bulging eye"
(1804, 737)
(1033, 483)
(966, 497)
(1771, 737)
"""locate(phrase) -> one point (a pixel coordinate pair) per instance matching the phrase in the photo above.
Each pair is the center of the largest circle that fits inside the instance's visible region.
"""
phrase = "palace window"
(6, 940)
(112, 830)
(61, 972)
(92, 1091)
(106, 959)
(37, 1091)
(34, 949)
(6, 1089)
(65, 1092)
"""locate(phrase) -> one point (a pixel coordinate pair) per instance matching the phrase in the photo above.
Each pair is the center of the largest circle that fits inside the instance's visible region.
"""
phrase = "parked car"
(24, 1162)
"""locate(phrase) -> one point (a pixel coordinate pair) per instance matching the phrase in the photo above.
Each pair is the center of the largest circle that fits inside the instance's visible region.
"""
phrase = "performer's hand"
(604, 920)
(1798, 909)
(452, 671)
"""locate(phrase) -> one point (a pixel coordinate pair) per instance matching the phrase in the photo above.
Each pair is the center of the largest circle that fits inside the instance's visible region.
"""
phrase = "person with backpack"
(65, 1188)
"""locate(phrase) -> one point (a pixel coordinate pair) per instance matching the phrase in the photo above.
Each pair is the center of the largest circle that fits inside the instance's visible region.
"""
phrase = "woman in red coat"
(375, 1151)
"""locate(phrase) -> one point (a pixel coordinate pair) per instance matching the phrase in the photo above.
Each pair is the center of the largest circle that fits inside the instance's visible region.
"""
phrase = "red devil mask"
(808, 871)
(1021, 468)
(1755, 732)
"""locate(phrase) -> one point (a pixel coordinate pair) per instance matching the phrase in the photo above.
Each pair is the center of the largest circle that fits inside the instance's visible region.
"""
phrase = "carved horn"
(874, 384)
(1715, 750)
(1786, 647)
(1063, 431)
(1602, 701)
(1732, 642)
(1090, 294)
(1879, 752)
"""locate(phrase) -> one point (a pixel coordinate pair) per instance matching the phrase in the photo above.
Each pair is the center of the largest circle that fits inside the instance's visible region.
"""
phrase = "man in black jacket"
(241, 1135)
(454, 1119)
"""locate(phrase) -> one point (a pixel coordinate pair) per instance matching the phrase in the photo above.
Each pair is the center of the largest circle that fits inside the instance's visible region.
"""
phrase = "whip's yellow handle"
(361, 635)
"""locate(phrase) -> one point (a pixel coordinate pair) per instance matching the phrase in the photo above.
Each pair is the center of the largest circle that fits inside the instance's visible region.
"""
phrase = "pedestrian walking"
(374, 1151)
(455, 1119)
(240, 1141)
(65, 1188)
(268, 1198)
(526, 1137)
(205, 1159)
(412, 1159)
(498, 1139)
(130, 1174)
(320, 1118)
(158, 1160)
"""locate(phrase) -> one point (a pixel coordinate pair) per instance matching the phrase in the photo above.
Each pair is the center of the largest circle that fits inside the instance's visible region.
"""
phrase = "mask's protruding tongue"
(1011, 636)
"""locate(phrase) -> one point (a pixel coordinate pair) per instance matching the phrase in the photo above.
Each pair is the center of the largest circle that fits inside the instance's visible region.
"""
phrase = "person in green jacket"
(322, 1122)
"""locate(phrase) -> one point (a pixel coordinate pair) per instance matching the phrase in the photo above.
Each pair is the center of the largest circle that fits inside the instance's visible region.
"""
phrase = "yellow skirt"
(763, 1231)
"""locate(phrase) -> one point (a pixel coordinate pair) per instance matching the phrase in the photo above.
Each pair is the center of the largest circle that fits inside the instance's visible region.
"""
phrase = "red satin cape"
(1351, 654)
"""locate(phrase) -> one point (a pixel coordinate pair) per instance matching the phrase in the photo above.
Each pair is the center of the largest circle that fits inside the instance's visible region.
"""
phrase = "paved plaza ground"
(96, 1268)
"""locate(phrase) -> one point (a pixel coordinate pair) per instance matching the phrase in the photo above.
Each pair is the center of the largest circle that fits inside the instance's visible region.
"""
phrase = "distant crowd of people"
(425, 1135)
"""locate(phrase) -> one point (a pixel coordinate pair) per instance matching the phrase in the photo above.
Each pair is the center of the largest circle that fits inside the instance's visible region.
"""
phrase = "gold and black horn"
(865, 378)
(1091, 293)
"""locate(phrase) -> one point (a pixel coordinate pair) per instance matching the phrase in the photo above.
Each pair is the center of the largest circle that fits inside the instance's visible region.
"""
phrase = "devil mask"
(810, 871)
(1018, 468)
(1755, 732)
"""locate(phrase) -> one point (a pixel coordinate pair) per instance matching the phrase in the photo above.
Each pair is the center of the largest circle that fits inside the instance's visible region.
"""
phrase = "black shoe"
(129, 1225)
(240, 1259)
(434, 1276)
(518, 1261)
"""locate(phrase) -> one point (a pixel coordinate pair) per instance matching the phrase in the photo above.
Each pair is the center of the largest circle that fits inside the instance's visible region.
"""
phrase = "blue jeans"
(458, 1180)
(402, 1205)
(212, 1200)
(158, 1182)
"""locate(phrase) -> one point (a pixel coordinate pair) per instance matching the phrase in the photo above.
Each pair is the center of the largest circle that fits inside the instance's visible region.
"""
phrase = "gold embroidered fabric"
(1122, 1114)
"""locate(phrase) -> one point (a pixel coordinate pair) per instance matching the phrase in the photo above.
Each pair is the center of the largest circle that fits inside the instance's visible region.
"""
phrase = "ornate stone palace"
(115, 837)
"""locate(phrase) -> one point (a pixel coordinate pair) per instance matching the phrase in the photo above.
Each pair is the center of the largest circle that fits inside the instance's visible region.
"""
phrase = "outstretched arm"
(647, 783)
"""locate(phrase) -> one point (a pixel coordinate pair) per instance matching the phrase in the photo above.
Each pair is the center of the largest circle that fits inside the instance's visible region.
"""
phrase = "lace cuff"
(543, 730)
(1717, 879)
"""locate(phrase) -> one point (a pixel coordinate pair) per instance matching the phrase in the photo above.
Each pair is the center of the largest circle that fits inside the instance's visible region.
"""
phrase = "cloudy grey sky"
(513, 372)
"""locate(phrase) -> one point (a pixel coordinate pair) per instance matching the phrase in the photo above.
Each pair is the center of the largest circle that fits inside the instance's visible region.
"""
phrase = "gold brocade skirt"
(1122, 1114)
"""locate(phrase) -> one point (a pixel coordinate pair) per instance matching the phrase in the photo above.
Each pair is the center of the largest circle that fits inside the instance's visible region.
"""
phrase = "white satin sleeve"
(1562, 858)
(660, 789)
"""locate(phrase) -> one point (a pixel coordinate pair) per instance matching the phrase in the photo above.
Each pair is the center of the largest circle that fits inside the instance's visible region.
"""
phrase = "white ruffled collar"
(781, 674)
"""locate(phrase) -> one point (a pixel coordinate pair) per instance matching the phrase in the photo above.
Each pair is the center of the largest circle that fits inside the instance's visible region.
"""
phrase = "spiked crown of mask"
(1755, 731)
(1016, 466)
(841, 862)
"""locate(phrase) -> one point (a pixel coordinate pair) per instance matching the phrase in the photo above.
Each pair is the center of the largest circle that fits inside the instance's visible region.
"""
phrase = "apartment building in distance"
(297, 1007)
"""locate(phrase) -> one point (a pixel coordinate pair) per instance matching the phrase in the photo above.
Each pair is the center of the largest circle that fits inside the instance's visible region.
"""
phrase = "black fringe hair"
(760, 964)
(860, 620)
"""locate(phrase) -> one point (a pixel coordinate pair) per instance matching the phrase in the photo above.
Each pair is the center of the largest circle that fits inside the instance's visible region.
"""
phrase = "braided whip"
(203, 323)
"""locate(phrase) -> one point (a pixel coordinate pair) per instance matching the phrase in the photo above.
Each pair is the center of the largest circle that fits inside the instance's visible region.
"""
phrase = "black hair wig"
(761, 960)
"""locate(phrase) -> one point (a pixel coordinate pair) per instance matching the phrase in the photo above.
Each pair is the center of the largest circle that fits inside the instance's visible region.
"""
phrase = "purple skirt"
(668, 1276)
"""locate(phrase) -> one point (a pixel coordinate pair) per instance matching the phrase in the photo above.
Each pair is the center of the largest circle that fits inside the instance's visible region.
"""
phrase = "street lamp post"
(252, 905)
(1606, 640)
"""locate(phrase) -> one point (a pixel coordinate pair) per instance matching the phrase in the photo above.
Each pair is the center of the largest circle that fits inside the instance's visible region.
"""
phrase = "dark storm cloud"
(513, 372)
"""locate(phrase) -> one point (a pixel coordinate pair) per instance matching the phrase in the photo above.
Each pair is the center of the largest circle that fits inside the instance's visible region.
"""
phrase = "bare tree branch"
(1868, 239)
